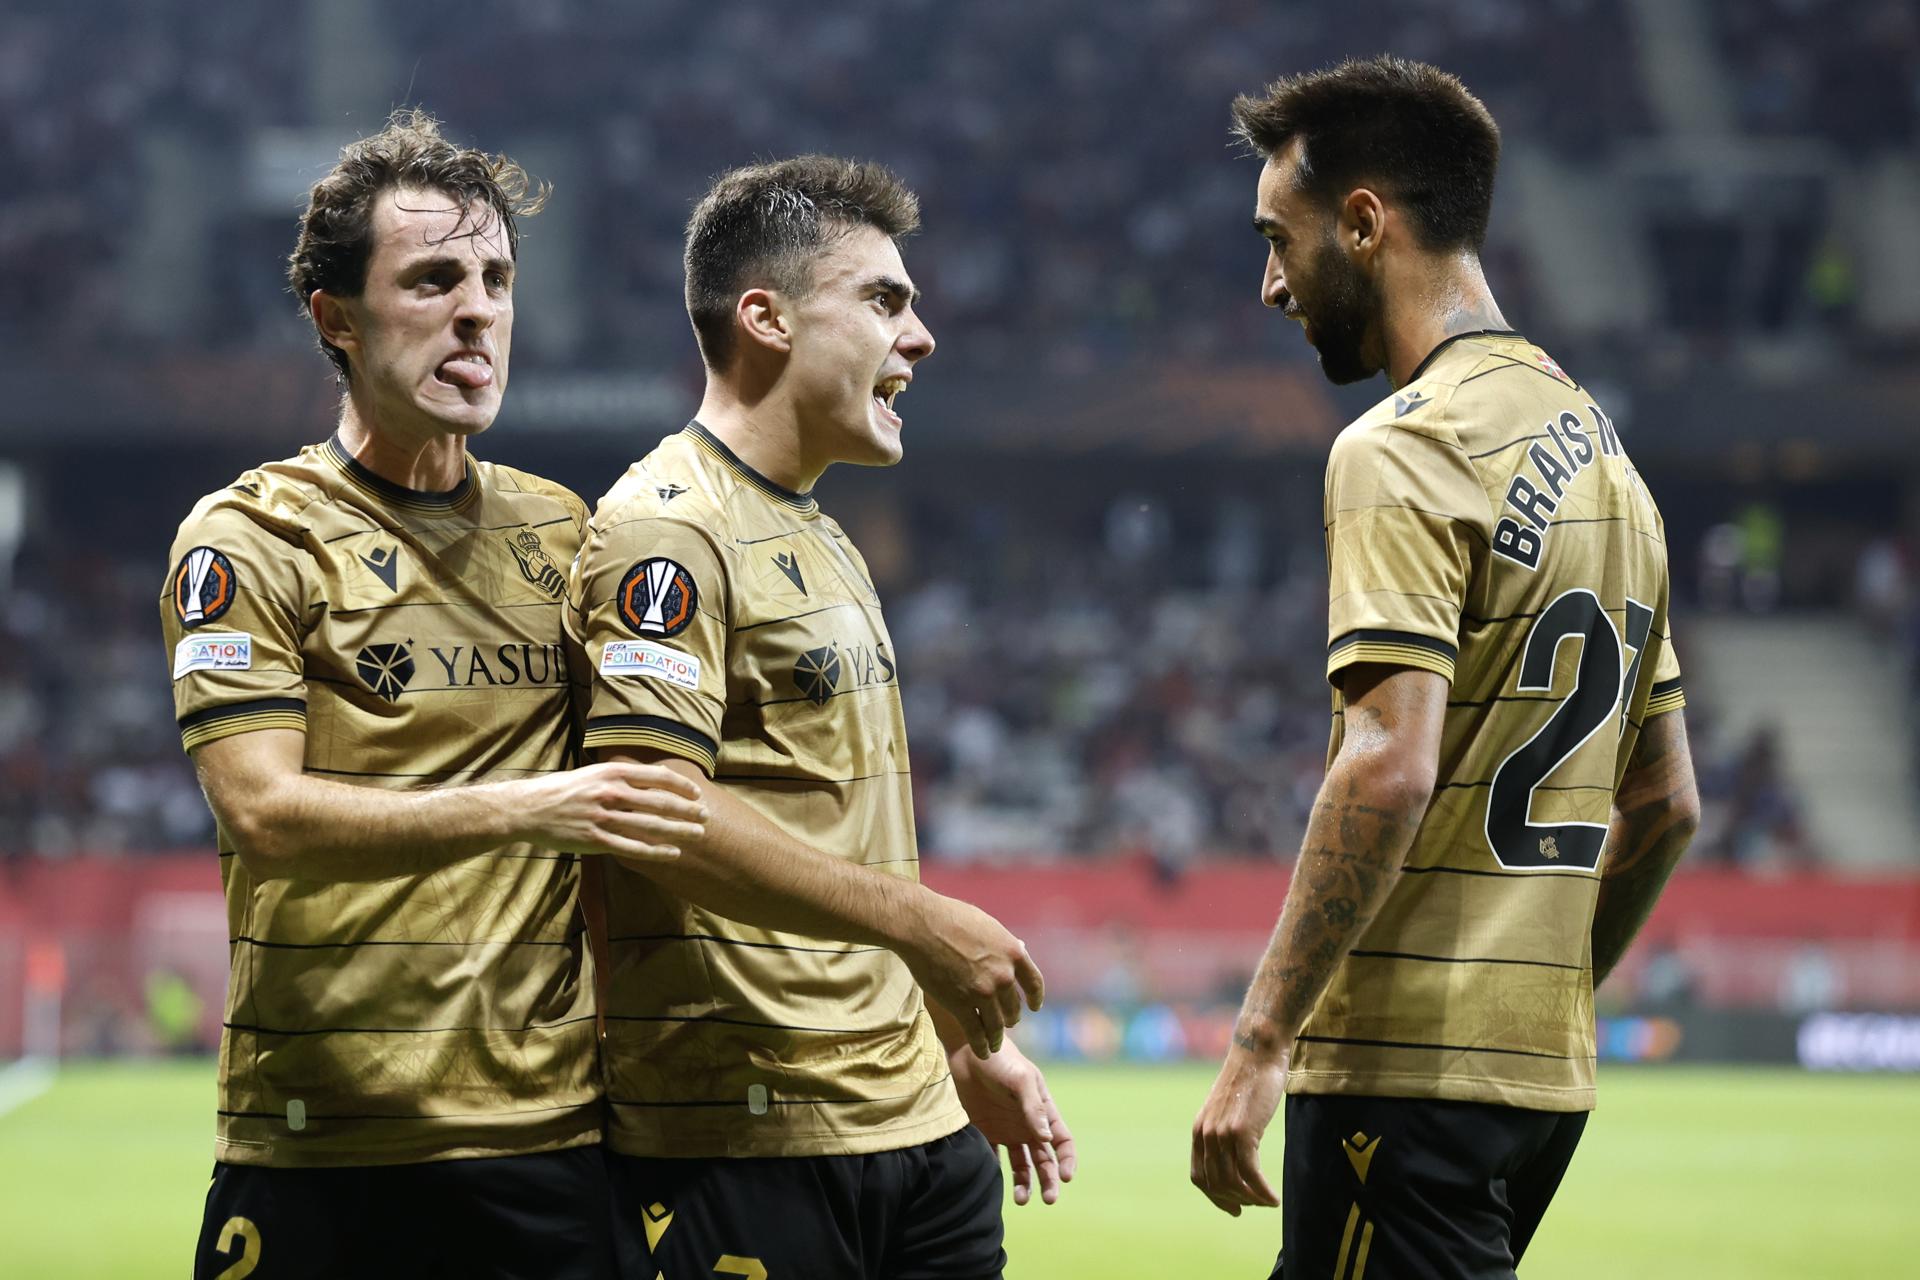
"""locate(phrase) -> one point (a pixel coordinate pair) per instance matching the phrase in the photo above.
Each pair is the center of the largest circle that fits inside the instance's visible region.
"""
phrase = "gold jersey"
(417, 640)
(1485, 523)
(729, 622)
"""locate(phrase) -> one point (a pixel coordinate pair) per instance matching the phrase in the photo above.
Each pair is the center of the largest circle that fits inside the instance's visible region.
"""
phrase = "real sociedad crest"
(203, 586)
(657, 598)
(536, 564)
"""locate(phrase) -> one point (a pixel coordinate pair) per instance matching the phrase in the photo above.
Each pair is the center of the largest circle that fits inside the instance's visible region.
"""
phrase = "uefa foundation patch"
(638, 658)
(203, 586)
(213, 651)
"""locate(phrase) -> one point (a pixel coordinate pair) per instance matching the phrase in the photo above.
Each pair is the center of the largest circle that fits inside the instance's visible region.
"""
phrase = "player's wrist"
(1260, 1038)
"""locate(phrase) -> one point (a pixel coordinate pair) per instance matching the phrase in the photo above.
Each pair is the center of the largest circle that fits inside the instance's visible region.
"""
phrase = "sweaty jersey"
(729, 622)
(1484, 523)
(417, 640)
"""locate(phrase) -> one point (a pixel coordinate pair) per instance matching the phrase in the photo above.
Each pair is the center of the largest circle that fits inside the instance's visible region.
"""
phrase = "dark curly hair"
(336, 231)
(1409, 130)
(762, 226)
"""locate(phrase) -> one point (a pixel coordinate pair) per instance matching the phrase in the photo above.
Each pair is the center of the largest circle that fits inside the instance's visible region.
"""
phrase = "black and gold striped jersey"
(416, 640)
(1485, 523)
(728, 621)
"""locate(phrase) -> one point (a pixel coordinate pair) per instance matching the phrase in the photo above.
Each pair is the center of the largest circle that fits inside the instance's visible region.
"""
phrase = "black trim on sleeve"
(209, 714)
(1441, 647)
(659, 724)
(1664, 688)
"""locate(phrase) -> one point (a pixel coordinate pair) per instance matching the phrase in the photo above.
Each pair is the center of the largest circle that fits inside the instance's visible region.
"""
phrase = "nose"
(1273, 285)
(914, 342)
(476, 308)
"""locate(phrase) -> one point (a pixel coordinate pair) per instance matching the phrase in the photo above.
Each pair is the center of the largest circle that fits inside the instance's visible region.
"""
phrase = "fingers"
(1028, 975)
(987, 1013)
(1047, 1164)
(1063, 1147)
(1007, 997)
(1225, 1165)
(653, 776)
(649, 829)
(1020, 1160)
(1246, 1162)
(976, 1032)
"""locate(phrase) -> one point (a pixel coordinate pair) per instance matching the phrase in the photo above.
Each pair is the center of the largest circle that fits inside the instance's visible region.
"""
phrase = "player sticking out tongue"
(472, 369)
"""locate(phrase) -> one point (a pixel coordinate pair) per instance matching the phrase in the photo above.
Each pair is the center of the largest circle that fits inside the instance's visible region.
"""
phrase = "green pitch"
(1683, 1173)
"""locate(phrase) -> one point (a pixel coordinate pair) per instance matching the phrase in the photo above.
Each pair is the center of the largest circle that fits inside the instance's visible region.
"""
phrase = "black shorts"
(537, 1217)
(1390, 1188)
(930, 1212)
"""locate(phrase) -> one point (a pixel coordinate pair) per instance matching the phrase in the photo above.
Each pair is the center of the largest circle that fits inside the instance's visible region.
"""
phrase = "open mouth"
(466, 369)
(884, 394)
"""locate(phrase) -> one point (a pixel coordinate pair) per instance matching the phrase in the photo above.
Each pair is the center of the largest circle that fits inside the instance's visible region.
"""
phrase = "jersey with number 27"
(1484, 523)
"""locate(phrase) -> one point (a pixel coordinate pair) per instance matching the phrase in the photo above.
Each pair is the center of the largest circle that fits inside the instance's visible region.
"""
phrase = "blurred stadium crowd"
(1054, 143)
(1117, 686)
(1070, 693)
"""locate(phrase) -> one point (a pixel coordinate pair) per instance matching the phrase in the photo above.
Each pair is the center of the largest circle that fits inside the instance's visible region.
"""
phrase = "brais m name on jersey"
(1535, 499)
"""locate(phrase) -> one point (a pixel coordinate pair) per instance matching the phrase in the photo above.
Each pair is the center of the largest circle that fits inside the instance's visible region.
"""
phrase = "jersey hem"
(276, 1156)
(1400, 1084)
(773, 1146)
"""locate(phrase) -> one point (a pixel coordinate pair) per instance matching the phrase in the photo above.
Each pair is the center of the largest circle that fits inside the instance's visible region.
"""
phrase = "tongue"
(467, 373)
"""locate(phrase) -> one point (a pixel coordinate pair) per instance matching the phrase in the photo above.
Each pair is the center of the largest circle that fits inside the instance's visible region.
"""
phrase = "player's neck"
(764, 434)
(1448, 297)
(428, 461)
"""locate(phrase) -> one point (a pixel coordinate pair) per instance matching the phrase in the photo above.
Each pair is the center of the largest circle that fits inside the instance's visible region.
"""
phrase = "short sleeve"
(649, 608)
(1405, 515)
(232, 612)
(1666, 694)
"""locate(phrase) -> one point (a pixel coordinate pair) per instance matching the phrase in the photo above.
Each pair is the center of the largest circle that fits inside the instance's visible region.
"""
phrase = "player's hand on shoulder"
(968, 962)
(1225, 1161)
(642, 812)
(1006, 1097)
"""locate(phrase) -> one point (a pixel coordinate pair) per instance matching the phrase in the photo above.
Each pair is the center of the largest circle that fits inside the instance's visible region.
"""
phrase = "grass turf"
(1683, 1173)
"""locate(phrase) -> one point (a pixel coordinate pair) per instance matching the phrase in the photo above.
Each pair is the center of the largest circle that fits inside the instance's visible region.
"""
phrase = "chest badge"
(536, 564)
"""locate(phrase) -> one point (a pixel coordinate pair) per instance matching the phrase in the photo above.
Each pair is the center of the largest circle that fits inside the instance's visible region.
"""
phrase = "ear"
(333, 318)
(762, 317)
(1363, 221)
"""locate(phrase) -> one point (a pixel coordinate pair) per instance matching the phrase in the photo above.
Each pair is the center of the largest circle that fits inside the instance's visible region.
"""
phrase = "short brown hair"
(336, 231)
(1409, 129)
(762, 226)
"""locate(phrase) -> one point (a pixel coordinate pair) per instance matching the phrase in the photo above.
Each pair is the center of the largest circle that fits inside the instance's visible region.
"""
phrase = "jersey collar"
(714, 445)
(421, 501)
(1420, 369)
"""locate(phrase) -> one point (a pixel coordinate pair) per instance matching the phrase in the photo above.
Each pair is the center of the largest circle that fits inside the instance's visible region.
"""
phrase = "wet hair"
(1405, 129)
(336, 231)
(762, 227)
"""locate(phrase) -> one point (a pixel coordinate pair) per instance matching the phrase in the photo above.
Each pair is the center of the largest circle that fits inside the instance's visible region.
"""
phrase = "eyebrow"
(444, 261)
(1267, 226)
(900, 289)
